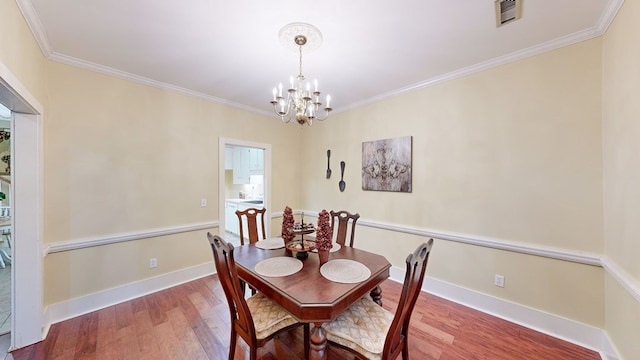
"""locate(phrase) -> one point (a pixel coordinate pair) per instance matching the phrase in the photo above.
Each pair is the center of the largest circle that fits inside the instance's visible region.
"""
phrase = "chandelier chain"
(300, 75)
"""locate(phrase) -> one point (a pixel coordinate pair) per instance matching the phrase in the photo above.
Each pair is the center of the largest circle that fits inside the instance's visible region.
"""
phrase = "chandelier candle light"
(301, 101)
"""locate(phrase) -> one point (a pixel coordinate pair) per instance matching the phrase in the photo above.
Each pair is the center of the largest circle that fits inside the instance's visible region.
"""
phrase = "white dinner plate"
(345, 271)
(278, 266)
(270, 244)
(334, 247)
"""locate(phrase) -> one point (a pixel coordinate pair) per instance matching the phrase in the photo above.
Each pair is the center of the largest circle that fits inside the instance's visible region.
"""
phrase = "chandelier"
(300, 101)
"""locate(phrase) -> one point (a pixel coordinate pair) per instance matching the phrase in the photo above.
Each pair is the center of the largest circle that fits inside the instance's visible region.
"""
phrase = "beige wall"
(122, 157)
(511, 153)
(19, 51)
(507, 153)
(621, 146)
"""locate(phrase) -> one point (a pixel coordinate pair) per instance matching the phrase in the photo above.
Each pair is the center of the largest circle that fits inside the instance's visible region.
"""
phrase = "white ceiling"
(229, 51)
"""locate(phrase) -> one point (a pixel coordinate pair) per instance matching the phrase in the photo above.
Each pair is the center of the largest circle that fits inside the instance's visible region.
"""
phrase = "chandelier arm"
(326, 114)
(285, 116)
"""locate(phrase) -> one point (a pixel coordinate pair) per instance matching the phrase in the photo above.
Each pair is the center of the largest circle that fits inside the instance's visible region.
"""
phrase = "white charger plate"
(345, 271)
(270, 244)
(278, 266)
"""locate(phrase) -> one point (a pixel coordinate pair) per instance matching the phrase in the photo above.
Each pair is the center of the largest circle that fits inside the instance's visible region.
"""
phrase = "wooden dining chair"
(345, 221)
(251, 215)
(368, 330)
(257, 319)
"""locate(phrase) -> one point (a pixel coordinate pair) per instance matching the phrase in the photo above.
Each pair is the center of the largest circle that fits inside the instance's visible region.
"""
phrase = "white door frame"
(27, 325)
(223, 142)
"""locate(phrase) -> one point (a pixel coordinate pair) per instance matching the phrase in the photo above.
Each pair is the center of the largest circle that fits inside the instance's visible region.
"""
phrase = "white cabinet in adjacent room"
(241, 161)
(228, 158)
(230, 217)
(256, 161)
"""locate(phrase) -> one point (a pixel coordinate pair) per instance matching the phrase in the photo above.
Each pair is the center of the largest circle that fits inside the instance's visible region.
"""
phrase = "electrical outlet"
(499, 280)
(203, 202)
(153, 262)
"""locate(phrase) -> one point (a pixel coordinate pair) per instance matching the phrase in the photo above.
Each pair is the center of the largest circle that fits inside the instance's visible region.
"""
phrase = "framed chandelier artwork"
(386, 164)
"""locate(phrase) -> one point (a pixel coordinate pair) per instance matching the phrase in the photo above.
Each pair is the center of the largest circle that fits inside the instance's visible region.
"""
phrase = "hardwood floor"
(191, 321)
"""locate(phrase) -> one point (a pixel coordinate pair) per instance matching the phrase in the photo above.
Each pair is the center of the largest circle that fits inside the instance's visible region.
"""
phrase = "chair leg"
(405, 350)
(232, 344)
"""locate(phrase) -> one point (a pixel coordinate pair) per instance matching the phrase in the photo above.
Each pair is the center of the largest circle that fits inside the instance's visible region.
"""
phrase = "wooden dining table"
(307, 295)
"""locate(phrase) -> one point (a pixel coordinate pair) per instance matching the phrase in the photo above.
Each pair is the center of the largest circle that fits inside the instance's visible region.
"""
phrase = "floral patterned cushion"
(362, 327)
(268, 317)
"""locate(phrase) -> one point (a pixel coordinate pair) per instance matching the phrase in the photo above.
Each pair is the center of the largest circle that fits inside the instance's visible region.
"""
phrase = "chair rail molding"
(117, 238)
(624, 279)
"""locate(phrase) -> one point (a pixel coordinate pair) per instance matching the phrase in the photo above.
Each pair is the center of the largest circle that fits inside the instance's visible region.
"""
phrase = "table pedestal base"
(318, 340)
(376, 295)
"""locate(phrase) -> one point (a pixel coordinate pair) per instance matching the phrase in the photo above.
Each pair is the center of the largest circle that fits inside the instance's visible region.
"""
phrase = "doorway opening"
(27, 311)
(245, 169)
(5, 221)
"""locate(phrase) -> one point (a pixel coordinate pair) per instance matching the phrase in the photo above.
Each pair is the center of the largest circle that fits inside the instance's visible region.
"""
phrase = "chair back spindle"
(346, 222)
(251, 215)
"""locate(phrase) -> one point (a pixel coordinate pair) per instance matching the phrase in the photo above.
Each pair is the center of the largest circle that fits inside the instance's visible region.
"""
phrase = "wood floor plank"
(87, 337)
(189, 345)
(65, 345)
(191, 321)
(124, 315)
(147, 342)
(212, 332)
(156, 311)
(106, 339)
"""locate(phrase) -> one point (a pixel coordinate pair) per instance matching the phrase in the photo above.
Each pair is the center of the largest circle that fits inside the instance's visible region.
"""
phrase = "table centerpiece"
(324, 233)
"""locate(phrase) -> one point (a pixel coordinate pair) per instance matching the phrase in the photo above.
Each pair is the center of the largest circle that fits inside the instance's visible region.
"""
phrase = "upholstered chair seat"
(362, 327)
(370, 332)
(268, 317)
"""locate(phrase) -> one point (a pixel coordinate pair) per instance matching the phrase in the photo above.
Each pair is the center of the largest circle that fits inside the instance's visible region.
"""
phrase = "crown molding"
(35, 25)
(33, 21)
(69, 60)
(610, 12)
(607, 17)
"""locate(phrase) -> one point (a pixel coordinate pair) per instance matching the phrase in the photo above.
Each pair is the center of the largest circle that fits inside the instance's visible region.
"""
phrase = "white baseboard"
(83, 305)
(581, 334)
(587, 336)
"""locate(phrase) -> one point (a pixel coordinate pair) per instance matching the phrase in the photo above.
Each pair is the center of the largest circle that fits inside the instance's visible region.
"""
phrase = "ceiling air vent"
(508, 11)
